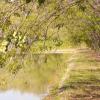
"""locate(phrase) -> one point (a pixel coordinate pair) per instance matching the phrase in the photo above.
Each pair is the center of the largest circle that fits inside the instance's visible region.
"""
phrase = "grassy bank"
(83, 81)
(73, 75)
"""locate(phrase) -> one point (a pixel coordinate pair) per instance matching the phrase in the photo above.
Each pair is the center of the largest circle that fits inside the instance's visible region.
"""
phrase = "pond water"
(17, 95)
(32, 76)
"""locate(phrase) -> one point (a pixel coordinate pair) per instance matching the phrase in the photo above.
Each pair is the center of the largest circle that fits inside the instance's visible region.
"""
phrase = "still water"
(17, 95)
(30, 78)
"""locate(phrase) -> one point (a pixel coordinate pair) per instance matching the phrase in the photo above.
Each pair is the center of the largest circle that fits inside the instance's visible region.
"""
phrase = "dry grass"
(84, 80)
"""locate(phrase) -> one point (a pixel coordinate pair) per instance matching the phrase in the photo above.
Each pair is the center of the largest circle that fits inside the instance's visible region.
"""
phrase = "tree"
(78, 18)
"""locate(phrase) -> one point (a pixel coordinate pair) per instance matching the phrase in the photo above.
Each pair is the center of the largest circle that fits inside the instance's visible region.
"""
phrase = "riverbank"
(81, 79)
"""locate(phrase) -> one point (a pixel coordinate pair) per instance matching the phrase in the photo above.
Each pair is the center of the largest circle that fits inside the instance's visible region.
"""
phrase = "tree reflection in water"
(36, 74)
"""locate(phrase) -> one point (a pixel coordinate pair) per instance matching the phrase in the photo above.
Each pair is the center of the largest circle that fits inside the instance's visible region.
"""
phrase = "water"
(17, 95)
(32, 78)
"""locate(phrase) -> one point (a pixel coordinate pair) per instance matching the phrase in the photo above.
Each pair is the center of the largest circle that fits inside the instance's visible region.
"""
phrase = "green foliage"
(32, 28)
(72, 24)
(12, 41)
(14, 65)
(45, 25)
(28, 1)
(2, 60)
(41, 1)
(14, 68)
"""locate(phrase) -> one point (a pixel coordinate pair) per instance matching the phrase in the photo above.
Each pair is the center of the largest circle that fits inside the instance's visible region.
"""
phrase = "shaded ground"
(83, 82)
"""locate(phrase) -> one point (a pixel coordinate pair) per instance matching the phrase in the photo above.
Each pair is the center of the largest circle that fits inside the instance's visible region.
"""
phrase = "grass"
(84, 80)
(39, 73)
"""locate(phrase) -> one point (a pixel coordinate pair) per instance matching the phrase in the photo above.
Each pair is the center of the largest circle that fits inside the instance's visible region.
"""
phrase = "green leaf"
(28, 1)
(41, 1)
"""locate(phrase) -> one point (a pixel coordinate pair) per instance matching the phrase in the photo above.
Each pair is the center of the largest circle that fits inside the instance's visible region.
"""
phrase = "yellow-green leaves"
(41, 1)
(3, 45)
(19, 39)
(28, 1)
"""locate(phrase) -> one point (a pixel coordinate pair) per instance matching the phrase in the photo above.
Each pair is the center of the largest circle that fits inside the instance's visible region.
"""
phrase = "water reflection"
(31, 74)
(16, 95)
